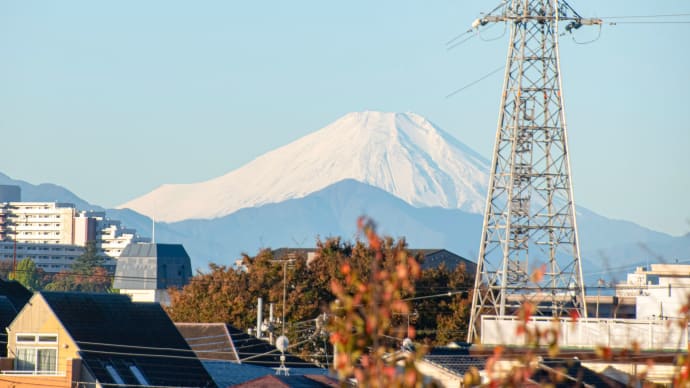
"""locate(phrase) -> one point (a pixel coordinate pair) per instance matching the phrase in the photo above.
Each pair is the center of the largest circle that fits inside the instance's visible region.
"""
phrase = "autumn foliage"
(363, 328)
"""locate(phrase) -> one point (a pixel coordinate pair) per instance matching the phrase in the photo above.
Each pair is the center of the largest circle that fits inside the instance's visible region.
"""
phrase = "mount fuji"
(411, 177)
(400, 153)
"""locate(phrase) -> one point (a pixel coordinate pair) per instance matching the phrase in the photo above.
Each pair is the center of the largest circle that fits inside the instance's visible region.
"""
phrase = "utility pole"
(285, 262)
(529, 219)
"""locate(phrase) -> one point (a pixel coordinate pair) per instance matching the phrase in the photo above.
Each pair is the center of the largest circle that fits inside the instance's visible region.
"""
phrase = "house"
(222, 348)
(13, 296)
(60, 339)
(145, 271)
(447, 365)
(305, 381)
(564, 373)
(433, 258)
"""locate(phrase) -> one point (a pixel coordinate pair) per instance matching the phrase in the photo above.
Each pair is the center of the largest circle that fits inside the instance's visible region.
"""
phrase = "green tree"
(89, 260)
(27, 274)
(87, 274)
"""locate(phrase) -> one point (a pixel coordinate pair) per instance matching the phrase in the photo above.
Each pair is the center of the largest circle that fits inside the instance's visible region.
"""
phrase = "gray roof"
(112, 331)
(151, 266)
(455, 360)
(433, 258)
(220, 341)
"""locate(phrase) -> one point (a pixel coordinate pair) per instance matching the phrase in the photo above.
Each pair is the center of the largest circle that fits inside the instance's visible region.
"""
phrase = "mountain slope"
(401, 153)
(610, 248)
(332, 211)
(47, 192)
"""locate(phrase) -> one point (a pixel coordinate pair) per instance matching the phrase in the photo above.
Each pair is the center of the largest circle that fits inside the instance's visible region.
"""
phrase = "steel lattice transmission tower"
(529, 221)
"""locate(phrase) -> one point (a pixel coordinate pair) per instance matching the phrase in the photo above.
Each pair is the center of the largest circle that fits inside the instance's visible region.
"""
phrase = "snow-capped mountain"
(401, 153)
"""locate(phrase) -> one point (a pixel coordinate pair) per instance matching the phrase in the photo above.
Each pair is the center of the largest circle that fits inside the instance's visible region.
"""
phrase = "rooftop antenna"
(529, 219)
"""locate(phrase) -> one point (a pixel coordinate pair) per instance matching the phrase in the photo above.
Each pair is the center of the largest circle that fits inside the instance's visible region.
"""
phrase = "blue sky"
(113, 99)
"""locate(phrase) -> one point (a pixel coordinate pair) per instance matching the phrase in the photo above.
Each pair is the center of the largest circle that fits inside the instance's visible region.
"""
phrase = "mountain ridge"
(402, 153)
(610, 248)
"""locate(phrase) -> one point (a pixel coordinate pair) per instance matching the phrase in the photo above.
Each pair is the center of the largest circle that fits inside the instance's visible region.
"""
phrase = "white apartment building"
(37, 222)
(660, 291)
(53, 234)
(112, 237)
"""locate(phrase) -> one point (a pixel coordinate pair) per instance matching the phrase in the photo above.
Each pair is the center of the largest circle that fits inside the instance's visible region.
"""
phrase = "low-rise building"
(145, 271)
(660, 291)
(96, 340)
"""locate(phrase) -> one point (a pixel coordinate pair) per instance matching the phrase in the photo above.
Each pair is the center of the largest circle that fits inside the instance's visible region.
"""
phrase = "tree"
(89, 260)
(229, 294)
(27, 274)
(364, 315)
(87, 274)
(442, 319)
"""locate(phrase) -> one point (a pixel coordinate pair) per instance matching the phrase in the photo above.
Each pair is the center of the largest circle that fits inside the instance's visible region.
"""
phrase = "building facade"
(54, 234)
(660, 291)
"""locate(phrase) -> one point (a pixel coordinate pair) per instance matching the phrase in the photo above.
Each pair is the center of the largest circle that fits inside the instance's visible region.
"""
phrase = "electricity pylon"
(529, 248)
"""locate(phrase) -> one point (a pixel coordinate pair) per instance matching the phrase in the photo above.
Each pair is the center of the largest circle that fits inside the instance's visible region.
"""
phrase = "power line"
(646, 16)
(644, 22)
(476, 81)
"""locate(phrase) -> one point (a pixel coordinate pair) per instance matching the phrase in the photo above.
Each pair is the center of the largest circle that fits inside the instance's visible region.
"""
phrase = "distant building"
(660, 291)
(434, 258)
(430, 258)
(145, 271)
(53, 234)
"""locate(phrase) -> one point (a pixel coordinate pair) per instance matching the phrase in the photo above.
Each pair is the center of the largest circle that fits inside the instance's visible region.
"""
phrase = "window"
(36, 354)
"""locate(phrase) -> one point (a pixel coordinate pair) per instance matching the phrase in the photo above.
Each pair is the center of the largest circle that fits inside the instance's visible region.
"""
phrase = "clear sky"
(112, 99)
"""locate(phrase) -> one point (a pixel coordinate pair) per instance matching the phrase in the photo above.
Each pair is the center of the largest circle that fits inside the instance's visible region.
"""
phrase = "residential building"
(53, 234)
(95, 340)
(301, 381)
(232, 356)
(433, 258)
(145, 271)
(49, 257)
(660, 291)
(13, 297)
(38, 222)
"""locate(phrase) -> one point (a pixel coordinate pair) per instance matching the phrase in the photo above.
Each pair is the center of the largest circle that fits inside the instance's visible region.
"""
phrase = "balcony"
(32, 373)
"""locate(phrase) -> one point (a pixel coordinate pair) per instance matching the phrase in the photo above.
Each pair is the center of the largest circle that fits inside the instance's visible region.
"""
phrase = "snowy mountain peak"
(402, 153)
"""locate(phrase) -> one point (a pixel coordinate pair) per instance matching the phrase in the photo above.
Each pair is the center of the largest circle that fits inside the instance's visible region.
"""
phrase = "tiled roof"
(15, 292)
(227, 374)
(210, 341)
(304, 381)
(565, 373)
(112, 331)
(454, 360)
(433, 258)
(13, 297)
(219, 341)
(7, 315)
